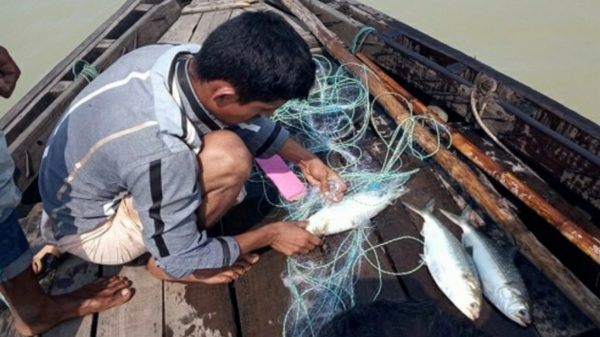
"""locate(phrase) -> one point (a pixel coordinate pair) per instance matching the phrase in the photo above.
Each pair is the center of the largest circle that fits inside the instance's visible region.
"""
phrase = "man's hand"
(290, 238)
(9, 73)
(319, 174)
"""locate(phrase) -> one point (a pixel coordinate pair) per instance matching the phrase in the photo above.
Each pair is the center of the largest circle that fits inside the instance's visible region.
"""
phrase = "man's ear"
(224, 93)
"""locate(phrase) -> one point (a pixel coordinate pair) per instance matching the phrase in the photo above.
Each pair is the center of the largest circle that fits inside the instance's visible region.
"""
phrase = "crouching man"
(157, 148)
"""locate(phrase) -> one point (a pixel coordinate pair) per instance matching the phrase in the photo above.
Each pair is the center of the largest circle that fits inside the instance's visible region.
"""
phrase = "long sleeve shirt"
(136, 130)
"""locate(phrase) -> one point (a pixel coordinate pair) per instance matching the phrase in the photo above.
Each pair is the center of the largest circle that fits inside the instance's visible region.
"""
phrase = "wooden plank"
(262, 298)
(216, 6)
(182, 29)
(72, 274)
(198, 310)
(208, 23)
(143, 315)
(373, 284)
(294, 22)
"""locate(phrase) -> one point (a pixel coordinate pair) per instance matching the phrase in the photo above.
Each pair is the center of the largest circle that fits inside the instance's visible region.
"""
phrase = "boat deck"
(254, 305)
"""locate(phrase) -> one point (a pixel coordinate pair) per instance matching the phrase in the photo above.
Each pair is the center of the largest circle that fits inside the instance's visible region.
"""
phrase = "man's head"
(251, 65)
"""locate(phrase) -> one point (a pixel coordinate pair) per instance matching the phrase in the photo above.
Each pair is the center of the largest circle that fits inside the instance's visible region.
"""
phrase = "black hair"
(260, 55)
(398, 319)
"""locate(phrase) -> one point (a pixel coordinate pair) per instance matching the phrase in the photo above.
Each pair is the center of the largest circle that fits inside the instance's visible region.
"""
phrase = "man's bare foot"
(42, 313)
(210, 276)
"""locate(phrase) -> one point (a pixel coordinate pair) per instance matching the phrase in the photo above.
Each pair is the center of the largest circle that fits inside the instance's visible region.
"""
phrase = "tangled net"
(333, 123)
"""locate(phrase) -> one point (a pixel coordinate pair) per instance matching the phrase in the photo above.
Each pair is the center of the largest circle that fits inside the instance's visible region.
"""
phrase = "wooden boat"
(519, 116)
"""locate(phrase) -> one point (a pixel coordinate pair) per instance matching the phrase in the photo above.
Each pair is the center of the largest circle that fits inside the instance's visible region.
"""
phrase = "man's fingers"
(302, 223)
(311, 180)
(251, 258)
(315, 240)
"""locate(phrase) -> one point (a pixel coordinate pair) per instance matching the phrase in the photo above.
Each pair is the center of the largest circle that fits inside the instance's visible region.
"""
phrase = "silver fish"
(502, 283)
(352, 212)
(448, 263)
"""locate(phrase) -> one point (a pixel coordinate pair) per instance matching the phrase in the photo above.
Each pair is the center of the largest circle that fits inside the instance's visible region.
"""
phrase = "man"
(158, 147)
(34, 311)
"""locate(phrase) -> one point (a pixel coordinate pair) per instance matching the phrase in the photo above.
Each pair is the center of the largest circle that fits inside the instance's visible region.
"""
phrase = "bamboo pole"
(585, 241)
(562, 277)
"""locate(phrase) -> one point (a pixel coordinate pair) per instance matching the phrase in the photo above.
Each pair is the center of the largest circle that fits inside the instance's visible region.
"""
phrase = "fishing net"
(333, 123)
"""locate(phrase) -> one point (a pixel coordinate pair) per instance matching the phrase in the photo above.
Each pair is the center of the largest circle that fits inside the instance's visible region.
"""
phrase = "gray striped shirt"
(136, 130)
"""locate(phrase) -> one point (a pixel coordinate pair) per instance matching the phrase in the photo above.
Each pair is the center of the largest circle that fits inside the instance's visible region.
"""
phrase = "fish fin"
(464, 215)
(430, 205)
(413, 208)
(469, 250)
(453, 217)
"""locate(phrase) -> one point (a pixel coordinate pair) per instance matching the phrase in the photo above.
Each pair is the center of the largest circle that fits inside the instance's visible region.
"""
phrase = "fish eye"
(474, 305)
(522, 312)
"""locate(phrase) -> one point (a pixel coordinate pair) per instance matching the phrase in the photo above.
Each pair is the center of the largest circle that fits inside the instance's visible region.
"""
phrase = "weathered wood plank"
(142, 315)
(371, 281)
(262, 298)
(208, 23)
(182, 29)
(294, 22)
(198, 310)
(72, 274)
(216, 6)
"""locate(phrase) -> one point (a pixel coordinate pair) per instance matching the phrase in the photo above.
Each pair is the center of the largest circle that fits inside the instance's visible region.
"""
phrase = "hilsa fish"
(352, 212)
(448, 263)
(501, 281)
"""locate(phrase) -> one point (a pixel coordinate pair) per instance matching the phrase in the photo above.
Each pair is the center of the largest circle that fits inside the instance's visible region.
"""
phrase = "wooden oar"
(585, 241)
(527, 242)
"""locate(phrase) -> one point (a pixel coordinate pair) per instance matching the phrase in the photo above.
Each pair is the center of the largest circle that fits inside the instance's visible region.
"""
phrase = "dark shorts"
(15, 255)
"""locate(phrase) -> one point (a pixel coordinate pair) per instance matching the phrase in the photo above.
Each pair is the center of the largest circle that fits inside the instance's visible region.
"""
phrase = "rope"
(333, 122)
(82, 68)
(487, 97)
(360, 38)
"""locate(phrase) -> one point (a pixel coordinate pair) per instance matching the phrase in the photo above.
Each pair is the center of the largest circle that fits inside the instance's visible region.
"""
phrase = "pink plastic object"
(288, 184)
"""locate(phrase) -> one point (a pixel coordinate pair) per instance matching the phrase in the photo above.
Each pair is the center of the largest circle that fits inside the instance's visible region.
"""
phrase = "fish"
(354, 211)
(448, 263)
(502, 284)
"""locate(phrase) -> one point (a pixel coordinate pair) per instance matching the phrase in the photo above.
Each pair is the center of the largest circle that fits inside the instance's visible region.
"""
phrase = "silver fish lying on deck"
(501, 281)
(352, 212)
(448, 263)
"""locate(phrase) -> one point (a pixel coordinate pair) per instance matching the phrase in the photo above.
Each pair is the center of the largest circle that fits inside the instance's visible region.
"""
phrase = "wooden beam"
(500, 212)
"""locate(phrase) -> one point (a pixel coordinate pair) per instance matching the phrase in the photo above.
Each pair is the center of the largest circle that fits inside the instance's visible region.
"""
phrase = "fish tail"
(430, 205)
(464, 215)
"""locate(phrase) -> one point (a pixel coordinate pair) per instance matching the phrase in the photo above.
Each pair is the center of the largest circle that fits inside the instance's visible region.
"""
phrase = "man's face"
(233, 113)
